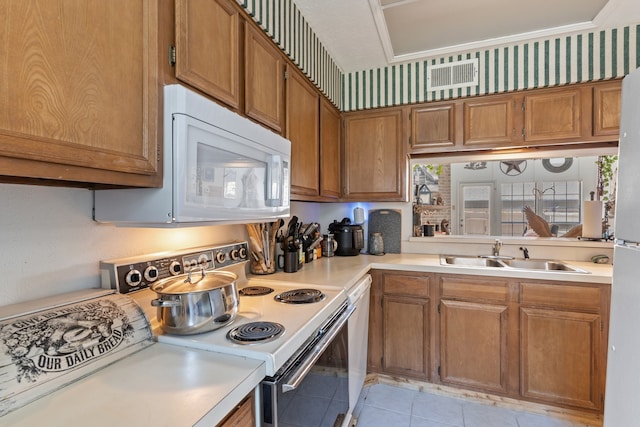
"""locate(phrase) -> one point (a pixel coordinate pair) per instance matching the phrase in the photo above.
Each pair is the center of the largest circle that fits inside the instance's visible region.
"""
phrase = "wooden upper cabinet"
(433, 126)
(557, 114)
(330, 150)
(80, 92)
(375, 165)
(208, 47)
(491, 121)
(264, 80)
(303, 115)
(607, 101)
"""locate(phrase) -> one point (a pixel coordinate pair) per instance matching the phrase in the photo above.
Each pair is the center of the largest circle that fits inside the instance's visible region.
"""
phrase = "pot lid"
(194, 281)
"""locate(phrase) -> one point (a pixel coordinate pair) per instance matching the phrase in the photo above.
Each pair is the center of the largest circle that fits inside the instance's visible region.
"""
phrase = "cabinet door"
(242, 416)
(560, 359)
(303, 115)
(473, 345)
(208, 47)
(551, 116)
(433, 126)
(606, 108)
(375, 158)
(80, 91)
(406, 336)
(490, 121)
(264, 80)
(330, 150)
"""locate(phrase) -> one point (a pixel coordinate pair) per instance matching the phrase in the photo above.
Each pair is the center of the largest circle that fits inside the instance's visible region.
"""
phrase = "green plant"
(607, 169)
(435, 169)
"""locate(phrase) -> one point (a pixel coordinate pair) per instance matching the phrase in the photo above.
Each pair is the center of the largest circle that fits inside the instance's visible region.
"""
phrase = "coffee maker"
(350, 237)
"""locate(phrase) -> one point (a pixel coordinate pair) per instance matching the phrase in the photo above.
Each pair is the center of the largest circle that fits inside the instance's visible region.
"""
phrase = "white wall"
(49, 244)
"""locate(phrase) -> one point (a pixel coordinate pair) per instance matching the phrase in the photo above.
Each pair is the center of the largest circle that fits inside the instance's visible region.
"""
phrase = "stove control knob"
(220, 257)
(133, 278)
(175, 268)
(151, 273)
(235, 254)
(242, 252)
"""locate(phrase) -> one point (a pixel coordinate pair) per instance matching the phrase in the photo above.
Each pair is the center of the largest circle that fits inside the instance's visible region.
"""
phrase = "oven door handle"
(299, 374)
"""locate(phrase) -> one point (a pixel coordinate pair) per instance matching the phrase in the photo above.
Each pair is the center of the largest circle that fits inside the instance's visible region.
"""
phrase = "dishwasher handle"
(301, 372)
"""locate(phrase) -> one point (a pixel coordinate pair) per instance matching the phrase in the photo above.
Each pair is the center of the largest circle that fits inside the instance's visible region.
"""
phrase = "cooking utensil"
(196, 302)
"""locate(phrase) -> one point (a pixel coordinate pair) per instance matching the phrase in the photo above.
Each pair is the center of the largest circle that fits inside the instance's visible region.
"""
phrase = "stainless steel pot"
(191, 306)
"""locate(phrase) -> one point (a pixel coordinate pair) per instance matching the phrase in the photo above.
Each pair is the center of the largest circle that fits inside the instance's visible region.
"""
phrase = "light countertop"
(162, 385)
(345, 271)
(165, 385)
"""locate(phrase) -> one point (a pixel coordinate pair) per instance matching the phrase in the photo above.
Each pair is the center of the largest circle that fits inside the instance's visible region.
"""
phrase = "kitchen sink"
(469, 261)
(510, 264)
(542, 264)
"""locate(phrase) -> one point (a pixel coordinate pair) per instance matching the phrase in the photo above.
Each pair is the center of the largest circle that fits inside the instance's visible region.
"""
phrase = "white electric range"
(306, 344)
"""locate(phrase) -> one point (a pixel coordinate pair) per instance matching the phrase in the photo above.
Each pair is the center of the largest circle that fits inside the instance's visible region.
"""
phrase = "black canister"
(350, 238)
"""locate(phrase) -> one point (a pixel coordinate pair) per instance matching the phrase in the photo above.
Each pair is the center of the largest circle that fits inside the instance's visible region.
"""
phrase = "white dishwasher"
(358, 333)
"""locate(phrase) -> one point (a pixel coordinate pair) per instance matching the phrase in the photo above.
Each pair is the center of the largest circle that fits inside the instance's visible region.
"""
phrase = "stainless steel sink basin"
(542, 264)
(510, 264)
(469, 261)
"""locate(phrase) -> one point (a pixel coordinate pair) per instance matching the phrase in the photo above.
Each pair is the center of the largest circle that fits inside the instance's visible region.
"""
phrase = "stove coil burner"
(255, 291)
(255, 332)
(300, 296)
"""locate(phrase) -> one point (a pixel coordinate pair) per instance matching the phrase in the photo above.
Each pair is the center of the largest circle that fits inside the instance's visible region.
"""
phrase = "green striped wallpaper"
(598, 55)
(286, 26)
(577, 58)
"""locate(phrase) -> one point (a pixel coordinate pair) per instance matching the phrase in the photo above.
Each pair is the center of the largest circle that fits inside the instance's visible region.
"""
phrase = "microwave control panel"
(133, 274)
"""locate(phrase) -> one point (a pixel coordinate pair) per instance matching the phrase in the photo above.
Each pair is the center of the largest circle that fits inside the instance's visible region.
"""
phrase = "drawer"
(484, 289)
(410, 285)
(585, 298)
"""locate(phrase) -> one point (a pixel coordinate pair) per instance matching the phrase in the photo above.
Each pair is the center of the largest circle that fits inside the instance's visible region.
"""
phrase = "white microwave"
(219, 167)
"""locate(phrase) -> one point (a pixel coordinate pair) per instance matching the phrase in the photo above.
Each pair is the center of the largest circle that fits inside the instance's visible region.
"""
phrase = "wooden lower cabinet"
(533, 340)
(400, 324)
(242, 416)
(473, 345)
(474, 327)
(563, 334)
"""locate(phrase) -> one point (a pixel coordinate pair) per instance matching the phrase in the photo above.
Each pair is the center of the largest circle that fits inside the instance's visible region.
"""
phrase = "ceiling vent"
(453, 75)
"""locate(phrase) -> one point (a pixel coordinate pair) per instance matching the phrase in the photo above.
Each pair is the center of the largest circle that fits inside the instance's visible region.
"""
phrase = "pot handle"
(159, 302)
(202, 271)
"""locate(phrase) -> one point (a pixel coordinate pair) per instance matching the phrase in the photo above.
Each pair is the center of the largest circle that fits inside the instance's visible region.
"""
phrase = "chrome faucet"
(496, 247)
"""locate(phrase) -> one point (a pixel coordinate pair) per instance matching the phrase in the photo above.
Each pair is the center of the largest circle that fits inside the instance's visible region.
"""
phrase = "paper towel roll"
(592, 223)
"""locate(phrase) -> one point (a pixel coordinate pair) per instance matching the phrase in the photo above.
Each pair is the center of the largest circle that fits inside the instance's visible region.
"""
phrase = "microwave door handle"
(274, 176)
(299, 374)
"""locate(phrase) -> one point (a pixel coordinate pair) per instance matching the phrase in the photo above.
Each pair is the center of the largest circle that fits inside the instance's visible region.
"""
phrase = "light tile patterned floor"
(382, 405)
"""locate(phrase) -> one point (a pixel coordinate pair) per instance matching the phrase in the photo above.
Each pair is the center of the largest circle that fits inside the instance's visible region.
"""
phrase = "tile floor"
(382, 405)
